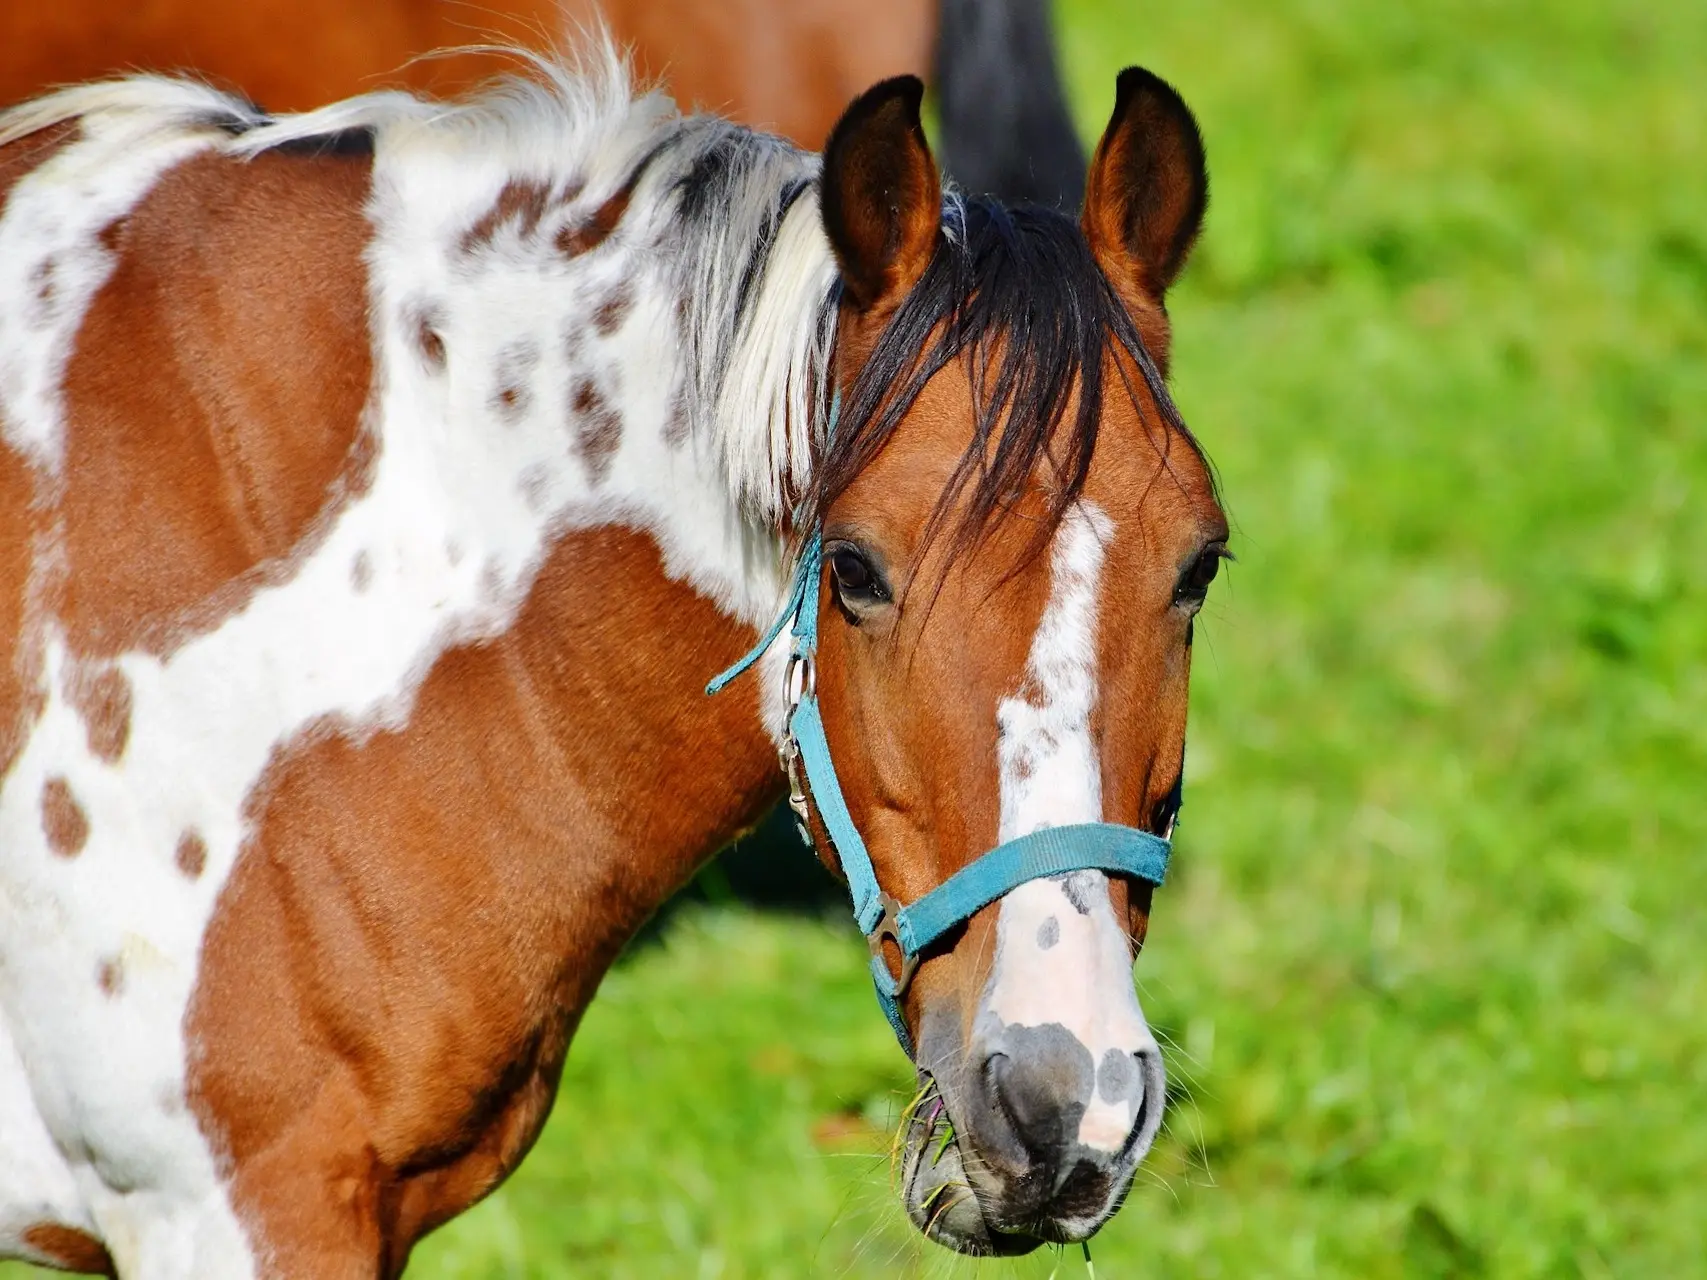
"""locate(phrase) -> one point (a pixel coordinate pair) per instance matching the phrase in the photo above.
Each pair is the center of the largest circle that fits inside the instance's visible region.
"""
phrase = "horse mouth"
(942, 1199)
(957, 1199)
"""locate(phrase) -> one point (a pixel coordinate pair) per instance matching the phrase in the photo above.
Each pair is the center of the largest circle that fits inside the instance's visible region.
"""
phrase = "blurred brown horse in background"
(788, 66)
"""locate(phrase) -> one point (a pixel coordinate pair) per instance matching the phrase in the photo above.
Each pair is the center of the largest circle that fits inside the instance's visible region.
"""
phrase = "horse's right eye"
(857, 584)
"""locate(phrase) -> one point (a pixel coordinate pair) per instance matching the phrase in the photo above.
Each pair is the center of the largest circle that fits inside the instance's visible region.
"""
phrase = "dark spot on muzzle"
(1118, 1077)
(1080, 888)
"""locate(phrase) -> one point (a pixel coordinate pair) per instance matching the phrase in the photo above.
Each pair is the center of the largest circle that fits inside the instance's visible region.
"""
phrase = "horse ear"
(882, 198)
(1147, 187)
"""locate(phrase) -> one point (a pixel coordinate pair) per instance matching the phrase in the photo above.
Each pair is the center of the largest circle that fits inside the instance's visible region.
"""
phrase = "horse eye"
(1194, 583)
(856, 581)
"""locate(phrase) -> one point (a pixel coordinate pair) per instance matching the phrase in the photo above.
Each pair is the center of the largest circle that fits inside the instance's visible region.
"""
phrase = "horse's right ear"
(882, 198)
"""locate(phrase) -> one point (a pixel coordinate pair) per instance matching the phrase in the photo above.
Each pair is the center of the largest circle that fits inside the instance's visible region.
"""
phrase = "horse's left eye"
(1193, 584)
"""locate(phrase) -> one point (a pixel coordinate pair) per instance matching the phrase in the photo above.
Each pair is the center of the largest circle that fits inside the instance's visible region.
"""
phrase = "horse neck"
(652, 582)
(524, 567)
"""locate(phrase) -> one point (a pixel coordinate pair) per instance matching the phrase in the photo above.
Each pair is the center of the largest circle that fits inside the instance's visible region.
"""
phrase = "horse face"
(1005, 629)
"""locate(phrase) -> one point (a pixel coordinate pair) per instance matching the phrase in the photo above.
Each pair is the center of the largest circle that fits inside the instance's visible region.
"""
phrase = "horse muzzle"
(1018, 1147)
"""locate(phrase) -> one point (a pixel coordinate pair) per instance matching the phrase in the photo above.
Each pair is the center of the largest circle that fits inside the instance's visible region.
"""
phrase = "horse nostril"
(1052, 1105)
(1041, 1093)
(1152, 1088)
(1012, 1102)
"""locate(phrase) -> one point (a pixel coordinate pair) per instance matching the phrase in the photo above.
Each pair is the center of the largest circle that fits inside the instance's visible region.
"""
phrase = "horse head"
(1016, 530)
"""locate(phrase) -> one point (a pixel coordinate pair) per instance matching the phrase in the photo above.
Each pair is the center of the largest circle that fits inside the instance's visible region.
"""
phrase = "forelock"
(1016, 295)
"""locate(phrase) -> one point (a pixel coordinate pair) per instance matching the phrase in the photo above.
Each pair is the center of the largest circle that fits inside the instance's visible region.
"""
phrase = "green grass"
(1432, 965)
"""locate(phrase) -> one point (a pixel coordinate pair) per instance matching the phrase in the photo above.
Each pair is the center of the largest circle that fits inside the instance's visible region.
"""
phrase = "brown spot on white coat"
(109, 976)
(191, 855)
(597, 427)
(614, 309)
(63, 820)
(68, 1249)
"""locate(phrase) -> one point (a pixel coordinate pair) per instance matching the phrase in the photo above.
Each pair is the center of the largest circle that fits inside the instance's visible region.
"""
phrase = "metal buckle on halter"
(801, 680)
(796, 784)
(887, 926)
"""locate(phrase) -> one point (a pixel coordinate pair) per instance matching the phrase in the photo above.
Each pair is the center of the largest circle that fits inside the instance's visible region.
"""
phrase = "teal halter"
(1090, 846)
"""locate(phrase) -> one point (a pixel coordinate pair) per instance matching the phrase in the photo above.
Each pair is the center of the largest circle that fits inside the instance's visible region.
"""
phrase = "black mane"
(1018, 294)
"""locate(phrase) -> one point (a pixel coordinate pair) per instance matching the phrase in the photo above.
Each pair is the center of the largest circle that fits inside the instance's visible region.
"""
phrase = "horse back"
(211, 390)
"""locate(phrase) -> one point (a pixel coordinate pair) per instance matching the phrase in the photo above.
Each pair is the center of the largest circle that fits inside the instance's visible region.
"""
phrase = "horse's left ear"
(881, 196)
(1147, 187)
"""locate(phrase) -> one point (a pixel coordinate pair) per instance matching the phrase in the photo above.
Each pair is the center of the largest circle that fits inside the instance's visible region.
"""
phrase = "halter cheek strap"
(1091, 846)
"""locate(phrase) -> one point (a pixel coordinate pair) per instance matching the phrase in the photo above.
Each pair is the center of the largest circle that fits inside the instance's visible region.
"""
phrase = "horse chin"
(939, 1195)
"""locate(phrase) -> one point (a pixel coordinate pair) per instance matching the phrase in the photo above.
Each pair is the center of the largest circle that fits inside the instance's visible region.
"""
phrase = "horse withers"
(380, 486)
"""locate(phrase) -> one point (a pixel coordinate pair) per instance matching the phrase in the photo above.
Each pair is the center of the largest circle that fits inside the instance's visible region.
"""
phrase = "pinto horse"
(379, 488)
(789, 66)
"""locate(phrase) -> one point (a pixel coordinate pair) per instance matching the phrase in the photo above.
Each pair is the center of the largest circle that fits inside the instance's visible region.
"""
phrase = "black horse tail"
(1005, 127)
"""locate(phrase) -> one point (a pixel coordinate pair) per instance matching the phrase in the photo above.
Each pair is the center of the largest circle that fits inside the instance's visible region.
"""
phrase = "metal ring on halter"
(801, 681)
(888, 926)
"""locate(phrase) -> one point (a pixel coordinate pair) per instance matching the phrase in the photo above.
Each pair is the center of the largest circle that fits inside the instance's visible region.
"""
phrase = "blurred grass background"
(1431, 966)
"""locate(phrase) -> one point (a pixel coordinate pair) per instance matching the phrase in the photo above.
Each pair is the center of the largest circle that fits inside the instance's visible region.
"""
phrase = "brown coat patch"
(21, 695)
(512, 395)
(585, 236)
(214, 391)
(109, 976)
(68, 1249)
(425, 324)
(62, 819)
(440, 901)
(101, 695)
(522, 204)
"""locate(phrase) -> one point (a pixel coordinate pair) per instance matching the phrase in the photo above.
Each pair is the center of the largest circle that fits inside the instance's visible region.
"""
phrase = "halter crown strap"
(811, 557)
(801, 607)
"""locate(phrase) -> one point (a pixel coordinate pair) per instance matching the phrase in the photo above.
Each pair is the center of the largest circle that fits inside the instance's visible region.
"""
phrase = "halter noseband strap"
(1090, 846)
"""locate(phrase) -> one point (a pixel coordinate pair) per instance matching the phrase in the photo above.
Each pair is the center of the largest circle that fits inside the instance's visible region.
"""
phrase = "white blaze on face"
(1061, 956)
